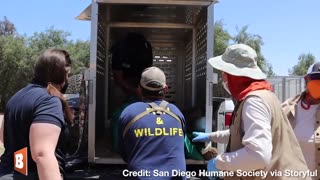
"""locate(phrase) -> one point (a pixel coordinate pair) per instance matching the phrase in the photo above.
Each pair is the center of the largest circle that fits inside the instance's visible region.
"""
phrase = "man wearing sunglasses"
(303, 112)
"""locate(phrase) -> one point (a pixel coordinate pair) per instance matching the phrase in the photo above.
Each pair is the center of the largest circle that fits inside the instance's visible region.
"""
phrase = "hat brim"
(220, 64)
(313, 76)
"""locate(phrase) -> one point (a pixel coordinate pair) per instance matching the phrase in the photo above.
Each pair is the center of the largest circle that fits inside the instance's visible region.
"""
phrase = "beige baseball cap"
(238, 60)
(153, 74)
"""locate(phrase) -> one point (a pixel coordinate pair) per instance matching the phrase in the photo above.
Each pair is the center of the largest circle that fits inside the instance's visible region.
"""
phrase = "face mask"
(225, 86)
(64, 88)
(314, 88)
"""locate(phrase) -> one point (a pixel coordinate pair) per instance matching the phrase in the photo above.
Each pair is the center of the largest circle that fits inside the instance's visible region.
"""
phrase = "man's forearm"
(244, 159)
(220, 136)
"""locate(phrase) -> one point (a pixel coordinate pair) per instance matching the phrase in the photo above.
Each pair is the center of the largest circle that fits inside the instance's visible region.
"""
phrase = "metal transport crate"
(181, 35)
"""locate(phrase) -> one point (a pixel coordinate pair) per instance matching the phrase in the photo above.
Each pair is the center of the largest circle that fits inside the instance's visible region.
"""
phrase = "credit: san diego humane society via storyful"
(205, 173)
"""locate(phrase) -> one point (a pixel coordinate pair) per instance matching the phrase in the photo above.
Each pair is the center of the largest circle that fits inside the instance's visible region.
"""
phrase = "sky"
(288, 27)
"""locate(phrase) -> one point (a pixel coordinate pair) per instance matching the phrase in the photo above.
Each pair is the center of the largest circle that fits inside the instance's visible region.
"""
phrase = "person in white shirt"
(303, 111)
(260, 137)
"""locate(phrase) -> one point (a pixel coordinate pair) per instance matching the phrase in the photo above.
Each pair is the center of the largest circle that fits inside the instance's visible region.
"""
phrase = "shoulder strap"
(162, 108)
(139, 116)
(172, 114)
(154, 109)
(163, 104)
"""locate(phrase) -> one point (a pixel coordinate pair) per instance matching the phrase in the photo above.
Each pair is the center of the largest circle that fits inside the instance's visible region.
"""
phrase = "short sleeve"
(49, 110)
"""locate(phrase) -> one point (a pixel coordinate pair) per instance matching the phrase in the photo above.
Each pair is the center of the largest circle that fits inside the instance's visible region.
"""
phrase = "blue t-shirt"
(32, 104)
(154, 143)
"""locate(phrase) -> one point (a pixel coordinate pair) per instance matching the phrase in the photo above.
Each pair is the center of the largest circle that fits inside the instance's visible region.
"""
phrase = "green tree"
(255, 41)
(40, 41)
(7, 27)
(269, 70)
(221, 38)
(13, 72)
(12, 61)
(80, 55)
(51, 38)
(304, 61)
(221, 42)
(18, 55)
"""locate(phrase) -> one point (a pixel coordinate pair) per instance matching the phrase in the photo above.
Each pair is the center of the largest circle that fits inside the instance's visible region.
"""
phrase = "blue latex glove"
(211, 166)
(200, 137)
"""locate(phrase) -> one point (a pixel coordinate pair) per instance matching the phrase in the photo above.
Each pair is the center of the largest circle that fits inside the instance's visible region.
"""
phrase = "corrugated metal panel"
(188, 75)
(101, 73)
(287, 86)
(201, 58)
(166, 59)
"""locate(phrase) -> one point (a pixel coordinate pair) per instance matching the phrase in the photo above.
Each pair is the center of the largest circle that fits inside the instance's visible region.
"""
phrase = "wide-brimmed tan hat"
(238, 60)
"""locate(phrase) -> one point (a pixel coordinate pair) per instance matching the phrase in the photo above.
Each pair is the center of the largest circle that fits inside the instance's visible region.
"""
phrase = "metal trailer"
(286, 87)
(181, 34)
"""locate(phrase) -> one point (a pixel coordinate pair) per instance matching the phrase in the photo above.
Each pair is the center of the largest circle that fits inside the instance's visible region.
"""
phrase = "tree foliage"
(305, 60)
(6, 27)
(19, 53)
(13, 71)
(80, 54)
(221, 42)
(255, 41)
(221, 38)
(51, 38)
(48, 39)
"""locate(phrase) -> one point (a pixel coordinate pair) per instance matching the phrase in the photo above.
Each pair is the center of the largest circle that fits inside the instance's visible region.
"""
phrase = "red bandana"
(240, 86)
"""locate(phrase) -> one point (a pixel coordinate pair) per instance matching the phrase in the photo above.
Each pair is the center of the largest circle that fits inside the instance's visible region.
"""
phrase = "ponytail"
(68, 114)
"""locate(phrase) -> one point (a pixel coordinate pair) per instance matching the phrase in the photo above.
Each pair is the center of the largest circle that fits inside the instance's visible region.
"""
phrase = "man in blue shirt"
(130, 56)
(152, 131)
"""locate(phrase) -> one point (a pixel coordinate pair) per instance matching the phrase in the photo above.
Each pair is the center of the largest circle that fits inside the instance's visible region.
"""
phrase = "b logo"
(21, 161)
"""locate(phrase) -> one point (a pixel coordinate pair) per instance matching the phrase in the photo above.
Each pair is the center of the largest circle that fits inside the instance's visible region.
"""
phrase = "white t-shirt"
(304, 130)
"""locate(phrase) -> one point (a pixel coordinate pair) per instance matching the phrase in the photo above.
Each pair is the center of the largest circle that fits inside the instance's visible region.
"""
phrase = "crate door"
(97, 77)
